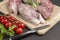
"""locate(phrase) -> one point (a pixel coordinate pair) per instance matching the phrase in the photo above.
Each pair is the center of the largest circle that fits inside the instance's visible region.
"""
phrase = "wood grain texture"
(3, 6)
(55, 18)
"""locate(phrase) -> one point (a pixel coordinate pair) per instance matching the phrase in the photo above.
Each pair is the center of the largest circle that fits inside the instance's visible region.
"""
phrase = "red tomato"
(21, 25)
(12, 18)
(15, 27)
(7, 16)
(16, 22)
(8, 24)
(2, 21)
(19, 31)
(1, 17)
(5, 21)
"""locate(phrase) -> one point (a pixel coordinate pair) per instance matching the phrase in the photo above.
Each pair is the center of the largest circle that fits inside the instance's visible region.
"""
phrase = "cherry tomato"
(17, 22)
(8, 24)
(5, 21)
(7, 16)
(21, 25)
(2, 21)
(12, 18)
(19, 31)
(1, 17)
(15, 27)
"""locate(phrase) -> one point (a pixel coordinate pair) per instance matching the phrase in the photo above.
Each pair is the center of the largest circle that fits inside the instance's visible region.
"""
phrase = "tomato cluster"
(8, 21)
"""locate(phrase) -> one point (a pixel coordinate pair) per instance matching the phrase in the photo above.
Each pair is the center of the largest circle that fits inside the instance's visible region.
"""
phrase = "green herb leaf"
(37, 2)
(11, 27)
(6, 32)
(11, 33)
(34, 4)
(1, 36)
(2, 28)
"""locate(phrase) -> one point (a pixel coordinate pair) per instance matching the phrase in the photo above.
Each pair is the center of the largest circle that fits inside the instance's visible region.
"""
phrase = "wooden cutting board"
(55, 18)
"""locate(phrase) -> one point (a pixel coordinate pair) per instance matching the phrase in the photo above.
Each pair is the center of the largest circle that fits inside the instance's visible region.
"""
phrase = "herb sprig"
(3, 31)
(35, 4)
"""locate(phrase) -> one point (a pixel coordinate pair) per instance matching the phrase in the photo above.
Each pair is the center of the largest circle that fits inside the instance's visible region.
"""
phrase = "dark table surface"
(53, 34)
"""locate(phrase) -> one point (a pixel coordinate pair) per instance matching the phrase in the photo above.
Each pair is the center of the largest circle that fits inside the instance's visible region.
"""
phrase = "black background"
(53, 34)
